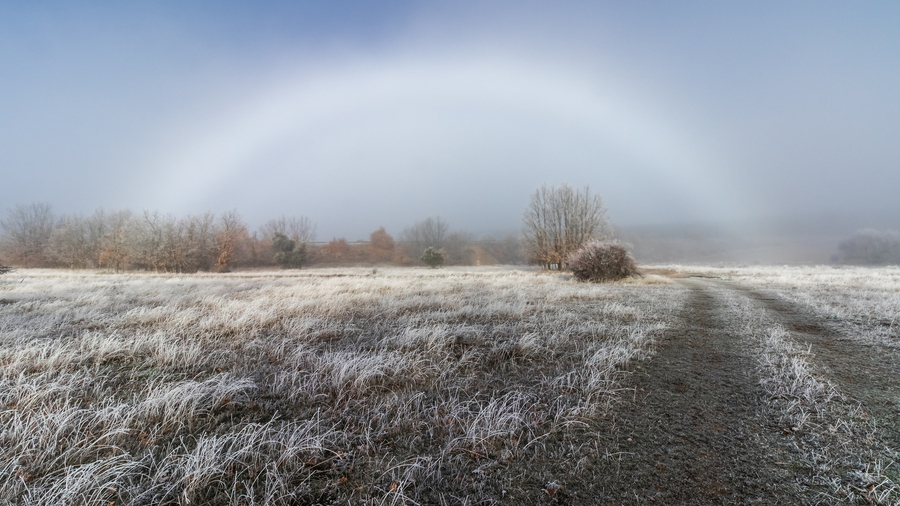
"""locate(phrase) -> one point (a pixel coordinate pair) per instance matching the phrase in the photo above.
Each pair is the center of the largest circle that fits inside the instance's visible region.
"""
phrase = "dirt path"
(868, 373)
(696, 432)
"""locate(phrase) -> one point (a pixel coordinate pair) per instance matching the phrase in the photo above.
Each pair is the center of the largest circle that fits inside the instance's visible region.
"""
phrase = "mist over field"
(713, 132)
(431, 253)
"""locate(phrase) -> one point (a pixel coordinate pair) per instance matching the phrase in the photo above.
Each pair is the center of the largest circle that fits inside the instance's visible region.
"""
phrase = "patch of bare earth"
(696, 431)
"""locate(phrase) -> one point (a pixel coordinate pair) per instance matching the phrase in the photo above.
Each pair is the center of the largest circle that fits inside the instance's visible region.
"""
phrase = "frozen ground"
(449, 386)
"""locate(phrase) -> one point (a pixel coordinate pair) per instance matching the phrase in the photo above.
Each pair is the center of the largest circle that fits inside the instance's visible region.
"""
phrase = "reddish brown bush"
(602, 261)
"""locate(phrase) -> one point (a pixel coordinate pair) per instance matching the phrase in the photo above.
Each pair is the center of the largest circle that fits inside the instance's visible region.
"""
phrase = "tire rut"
(868, 373)
(696, 432)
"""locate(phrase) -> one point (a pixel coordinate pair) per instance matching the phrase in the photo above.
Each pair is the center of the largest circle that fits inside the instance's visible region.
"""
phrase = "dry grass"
(835, 439)
(863, 301)
(320, 386)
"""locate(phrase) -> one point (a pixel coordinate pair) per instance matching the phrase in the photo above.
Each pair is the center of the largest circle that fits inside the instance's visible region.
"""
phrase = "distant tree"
(432, 258)
(115, 246)
(229, 234)
(381, 246)
(26, 234)
(871, 247)
(69, 243)
(558, 221)
(195, 241)
(457, 250)
(300, 229)
(5, 269)
(337, 251)
(506, 251)
(428, 233)
(287, 253)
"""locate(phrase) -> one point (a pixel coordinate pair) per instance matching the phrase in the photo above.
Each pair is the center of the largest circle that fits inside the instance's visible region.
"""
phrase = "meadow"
(419, 386)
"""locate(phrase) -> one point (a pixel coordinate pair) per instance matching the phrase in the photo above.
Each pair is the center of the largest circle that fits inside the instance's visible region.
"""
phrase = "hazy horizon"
(364, 115)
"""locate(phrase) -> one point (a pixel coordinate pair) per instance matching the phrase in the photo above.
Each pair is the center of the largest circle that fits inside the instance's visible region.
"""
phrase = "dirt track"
(696, 431)
(868, 373)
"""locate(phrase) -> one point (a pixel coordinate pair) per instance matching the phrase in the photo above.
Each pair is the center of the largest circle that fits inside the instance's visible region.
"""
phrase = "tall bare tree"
(428, 232)
(230, 232)
(116, 248)
(560, 220)
(300, 229)
(69, 243)
(27, 231)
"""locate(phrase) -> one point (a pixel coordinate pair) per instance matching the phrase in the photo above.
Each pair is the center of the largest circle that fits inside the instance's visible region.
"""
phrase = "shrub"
(4, 269)
(602, 261)
(287, 253)
(433, 258)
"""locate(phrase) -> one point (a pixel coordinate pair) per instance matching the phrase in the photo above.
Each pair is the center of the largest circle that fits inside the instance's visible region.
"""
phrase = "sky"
(367, 114)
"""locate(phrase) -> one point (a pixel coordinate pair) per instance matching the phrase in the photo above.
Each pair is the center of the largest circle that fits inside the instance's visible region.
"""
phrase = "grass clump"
(599, 261)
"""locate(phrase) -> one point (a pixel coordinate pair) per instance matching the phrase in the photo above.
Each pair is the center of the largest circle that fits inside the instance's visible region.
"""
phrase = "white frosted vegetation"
(836, 440)
(263, 387)
(864, 301)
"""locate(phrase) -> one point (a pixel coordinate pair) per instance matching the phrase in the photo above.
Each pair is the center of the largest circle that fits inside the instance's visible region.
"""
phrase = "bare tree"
(428, 233)
(457, 250)
(871, 247)
(199, 236)
(27, 231)
(77, 241)
(69, 243)
(558, 221)
(231, 231)
(116, 248)
(301, 229)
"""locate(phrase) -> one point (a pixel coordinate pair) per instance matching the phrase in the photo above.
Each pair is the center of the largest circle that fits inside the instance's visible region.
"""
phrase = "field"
(450, 386)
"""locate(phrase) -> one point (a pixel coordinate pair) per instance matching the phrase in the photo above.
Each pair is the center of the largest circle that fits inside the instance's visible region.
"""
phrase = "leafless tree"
(871, 247)
(428, 233)
(558, 221)
(69, 243)
(77, 241)
(116, 247)
(26, 234)
(507, 250)
(301, 229)
(198, 242)
(230, 232)
(456, 249)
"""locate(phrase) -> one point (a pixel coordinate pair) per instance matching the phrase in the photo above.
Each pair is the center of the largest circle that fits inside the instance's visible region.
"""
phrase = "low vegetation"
(322, 386)
(420, 386)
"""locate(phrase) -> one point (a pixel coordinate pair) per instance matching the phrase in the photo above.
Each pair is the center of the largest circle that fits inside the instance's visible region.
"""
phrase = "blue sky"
(363, 114)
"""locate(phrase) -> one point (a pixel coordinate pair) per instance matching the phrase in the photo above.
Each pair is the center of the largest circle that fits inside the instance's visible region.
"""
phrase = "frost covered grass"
(834, 438)
(330, 385)
(864, 301)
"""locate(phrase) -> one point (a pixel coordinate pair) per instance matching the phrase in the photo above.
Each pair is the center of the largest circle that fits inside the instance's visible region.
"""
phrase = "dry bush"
(599, 261)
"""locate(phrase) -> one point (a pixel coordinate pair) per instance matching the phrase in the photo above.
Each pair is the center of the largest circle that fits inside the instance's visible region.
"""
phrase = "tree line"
(33, 236)
(557, 222)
